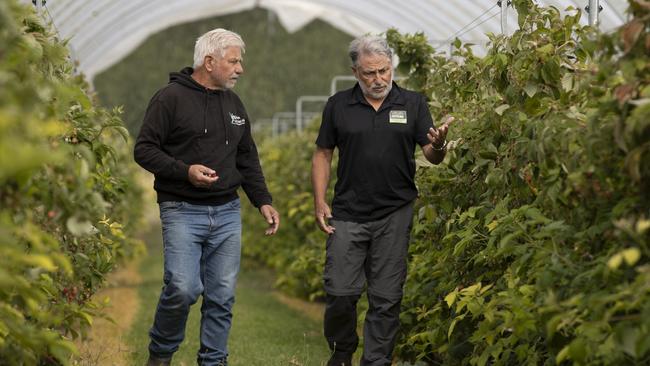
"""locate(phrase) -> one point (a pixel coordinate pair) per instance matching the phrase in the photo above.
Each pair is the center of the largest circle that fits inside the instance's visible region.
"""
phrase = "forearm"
(320, 183)
(320, 173)
(156, 161)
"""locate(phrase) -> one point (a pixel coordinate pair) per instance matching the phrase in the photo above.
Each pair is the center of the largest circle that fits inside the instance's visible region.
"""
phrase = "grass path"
(268, 328)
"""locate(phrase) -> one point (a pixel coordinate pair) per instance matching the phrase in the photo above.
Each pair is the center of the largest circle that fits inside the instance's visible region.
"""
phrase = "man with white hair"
(196, 140)
(375, 125)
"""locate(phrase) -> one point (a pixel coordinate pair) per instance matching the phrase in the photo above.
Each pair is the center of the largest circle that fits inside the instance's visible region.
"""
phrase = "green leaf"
(631, 256)
(522, 11)
(551, 71)
(63, 350)
(633, 164)
(629, 341)
(615, 261)
(492, 225)
(451, 298)
(531, 89)
(642, 226)
(502, 108)
(567, 82)
(41, 261)
(578, 350)
(471, 290)
(545, 50)
(86, 317)
(562, 355)
(123, 132)
(452, 326)
(536, 215)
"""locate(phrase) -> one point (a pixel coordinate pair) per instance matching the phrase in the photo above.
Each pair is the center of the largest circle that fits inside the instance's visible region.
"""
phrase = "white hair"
(369, 45)
(215, 42)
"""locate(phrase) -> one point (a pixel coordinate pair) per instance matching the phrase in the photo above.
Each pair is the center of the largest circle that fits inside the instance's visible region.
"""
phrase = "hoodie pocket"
(228, 177)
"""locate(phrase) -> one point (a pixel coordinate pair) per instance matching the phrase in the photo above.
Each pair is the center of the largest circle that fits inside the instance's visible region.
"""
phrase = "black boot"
(340, 359)
(154, 361)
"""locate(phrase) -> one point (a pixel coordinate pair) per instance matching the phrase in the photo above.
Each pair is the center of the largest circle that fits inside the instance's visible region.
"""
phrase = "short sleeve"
(423, 122)
(327, 132)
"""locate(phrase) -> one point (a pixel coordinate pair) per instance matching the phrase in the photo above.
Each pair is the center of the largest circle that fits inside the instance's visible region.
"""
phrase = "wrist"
(320, 201)
(439, 148)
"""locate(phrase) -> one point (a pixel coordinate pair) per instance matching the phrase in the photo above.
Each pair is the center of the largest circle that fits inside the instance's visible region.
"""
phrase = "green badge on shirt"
(397, 117)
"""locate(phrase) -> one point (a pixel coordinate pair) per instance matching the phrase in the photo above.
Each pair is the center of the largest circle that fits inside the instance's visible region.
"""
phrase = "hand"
(201, 176)
(437, 136)
(272, 217)
(323, 213)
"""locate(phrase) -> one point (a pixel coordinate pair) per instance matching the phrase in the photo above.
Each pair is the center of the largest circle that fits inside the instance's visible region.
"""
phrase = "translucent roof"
(102, 32)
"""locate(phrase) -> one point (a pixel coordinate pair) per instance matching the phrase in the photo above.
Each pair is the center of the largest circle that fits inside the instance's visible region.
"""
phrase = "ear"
(208, 62)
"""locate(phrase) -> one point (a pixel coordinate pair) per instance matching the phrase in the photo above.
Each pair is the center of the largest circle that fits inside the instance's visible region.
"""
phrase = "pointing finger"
(448, 120)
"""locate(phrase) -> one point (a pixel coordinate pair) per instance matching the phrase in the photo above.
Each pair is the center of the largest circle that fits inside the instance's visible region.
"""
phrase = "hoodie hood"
(184, 77)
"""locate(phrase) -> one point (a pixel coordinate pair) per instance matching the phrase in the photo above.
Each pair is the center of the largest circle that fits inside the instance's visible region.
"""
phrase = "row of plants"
(67, 202)
(531, 244)
(296, 251)
(531, 241)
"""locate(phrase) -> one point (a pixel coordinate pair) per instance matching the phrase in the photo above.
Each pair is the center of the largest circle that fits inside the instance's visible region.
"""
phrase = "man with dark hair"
(375, 125)
(196, 140)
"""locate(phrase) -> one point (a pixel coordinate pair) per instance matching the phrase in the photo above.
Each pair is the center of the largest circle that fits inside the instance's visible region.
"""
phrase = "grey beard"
(372, 95)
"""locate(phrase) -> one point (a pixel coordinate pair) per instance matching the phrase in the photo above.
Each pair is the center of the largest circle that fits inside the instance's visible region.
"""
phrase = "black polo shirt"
(376, 169)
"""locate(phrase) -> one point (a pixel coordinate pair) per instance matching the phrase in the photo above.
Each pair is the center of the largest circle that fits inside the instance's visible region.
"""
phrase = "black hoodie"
(186, 123)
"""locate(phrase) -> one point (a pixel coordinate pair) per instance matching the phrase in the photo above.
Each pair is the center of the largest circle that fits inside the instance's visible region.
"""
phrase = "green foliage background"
(67, 204)
(278, 66)
(531, 241)
(297, 251)
(535, 231)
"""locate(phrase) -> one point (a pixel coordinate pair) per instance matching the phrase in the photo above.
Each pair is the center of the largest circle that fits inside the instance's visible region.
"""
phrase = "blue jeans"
(202, 251)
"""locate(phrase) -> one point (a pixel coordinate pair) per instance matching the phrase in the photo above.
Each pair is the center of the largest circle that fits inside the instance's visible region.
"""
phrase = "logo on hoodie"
(236, 120)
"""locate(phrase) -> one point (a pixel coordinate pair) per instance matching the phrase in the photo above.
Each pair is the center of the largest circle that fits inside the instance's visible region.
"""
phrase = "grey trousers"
(373, 254)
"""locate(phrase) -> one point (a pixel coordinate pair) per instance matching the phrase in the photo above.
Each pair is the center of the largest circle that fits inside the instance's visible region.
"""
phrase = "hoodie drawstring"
(205, 114)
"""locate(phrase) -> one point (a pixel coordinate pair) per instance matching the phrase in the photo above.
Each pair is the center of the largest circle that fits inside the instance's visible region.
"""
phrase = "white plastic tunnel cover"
(102, 32)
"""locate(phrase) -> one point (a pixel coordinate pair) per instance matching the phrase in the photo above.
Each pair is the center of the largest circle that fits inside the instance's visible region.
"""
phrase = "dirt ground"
(106, 344)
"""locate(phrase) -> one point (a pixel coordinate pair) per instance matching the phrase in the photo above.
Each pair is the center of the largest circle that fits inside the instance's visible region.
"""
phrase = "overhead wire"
(47, 10)
(458, 32)
(479, 24)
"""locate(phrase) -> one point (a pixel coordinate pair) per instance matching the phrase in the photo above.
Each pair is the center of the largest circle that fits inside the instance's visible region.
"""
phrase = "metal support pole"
(503, 4)
(299, 115)
(336, 79)
(276, 124)
(300, 101)
(594, 9)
